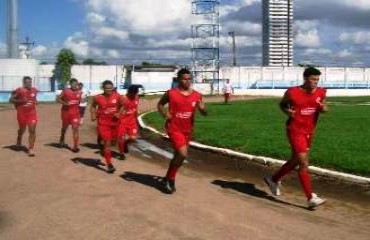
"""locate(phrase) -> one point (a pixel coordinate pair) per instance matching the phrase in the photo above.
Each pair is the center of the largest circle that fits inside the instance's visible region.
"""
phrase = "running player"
(84, 99)
(70, 99)
(302, 104)
(128, 124)
(183, 102)
(105, 109)
(24, 99)
(228, 90)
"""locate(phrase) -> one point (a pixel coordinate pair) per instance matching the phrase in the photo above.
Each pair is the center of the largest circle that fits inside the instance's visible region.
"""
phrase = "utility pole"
(232, 35)
(28, 45)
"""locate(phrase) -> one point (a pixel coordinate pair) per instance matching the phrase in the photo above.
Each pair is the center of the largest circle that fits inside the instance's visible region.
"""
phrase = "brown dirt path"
(62, 195)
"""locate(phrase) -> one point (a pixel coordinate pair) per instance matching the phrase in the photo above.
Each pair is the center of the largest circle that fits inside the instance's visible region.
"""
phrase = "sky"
(327, 33)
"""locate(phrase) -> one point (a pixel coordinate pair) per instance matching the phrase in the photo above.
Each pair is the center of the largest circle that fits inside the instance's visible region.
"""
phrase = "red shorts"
(130, 130)
(26, 118)
(70, 118)
(107, 132)
(179, 139)
(227, 95)
(300, 142)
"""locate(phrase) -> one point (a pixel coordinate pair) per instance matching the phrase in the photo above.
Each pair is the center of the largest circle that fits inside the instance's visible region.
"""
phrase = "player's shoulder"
(321, 90)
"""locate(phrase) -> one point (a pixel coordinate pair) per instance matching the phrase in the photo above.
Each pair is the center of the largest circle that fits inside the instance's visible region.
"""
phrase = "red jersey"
(108, 106)
(28, 98)
(129, 117)
(73, 98)
(306, 109)
(182, 109)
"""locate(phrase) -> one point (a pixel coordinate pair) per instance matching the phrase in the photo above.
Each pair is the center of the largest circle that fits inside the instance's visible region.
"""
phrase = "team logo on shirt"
(114, 101)
(32, 95)
(193, 104)
(308, 111)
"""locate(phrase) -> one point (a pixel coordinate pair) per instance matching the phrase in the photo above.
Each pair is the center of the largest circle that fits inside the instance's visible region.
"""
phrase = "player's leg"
(21, 131)
(31, 139)
(76, 138)
(121, 141)
(305, 178)
(132, 136)
(22, 125)
(106, 133)
(180, 144)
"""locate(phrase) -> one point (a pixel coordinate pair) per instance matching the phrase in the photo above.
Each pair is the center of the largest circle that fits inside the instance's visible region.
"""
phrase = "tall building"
(277, 32)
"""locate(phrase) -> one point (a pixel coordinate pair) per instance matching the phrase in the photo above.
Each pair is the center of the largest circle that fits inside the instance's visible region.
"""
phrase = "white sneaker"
(315, 201)
(274, 187)
(31, 153)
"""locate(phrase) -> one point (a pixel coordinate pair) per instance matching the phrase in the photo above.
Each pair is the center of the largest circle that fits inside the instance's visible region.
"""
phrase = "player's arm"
(93, 110)
(202, 108)
(161, 106)
(14, 98)
(60, 99)
(323, 107)
(285, 105)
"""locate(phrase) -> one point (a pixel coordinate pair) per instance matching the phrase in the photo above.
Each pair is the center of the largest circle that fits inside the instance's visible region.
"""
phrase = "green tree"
(65, 60)
(90, 61)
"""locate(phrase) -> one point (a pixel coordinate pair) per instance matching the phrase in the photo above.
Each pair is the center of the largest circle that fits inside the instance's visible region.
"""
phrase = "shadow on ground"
(145, 179)
(16, 148)
(250, 189)
(90, 162)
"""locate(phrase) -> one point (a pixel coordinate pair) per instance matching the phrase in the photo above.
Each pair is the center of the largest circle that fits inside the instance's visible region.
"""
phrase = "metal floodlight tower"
(12, 29)
(206, 41)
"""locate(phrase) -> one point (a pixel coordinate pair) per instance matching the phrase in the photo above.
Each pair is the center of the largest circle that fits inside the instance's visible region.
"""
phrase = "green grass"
(257, 127)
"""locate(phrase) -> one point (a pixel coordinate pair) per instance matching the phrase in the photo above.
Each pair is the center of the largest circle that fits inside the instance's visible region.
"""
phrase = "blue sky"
(329, 33)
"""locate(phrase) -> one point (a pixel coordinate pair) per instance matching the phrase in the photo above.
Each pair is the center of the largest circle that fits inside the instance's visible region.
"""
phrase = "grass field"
(257, 127)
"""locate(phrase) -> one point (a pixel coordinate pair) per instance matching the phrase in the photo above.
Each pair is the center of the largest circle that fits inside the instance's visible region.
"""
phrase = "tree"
(90, 61)
(65, 60)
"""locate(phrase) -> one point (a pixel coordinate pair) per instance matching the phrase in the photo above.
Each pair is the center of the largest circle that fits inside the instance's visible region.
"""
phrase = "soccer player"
(24, 99)
(128, 124)
(106, 109)
(228, 90)
(182, 101)
(70, 99)
(302, 104)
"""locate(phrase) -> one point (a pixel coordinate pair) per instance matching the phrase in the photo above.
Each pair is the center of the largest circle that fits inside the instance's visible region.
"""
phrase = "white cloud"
(243, 28)
(360, 4)
(77, 44)
(95, 19)
(345, 53)
(317, 51)
(308, 39)
(39, 50)
(361, 37)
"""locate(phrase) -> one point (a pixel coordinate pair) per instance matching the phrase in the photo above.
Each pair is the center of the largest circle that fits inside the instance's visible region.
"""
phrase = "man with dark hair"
(24, 99)
(70, 99)
(105, 108)
(128, 124)
(183, 101)
(302, 104)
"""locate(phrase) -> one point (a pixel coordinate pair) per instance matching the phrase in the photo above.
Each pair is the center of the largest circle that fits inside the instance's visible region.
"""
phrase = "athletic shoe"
(31, 153)
(315, 201)
(274, 187)
(121, 156)
(111, 169)
(75, 149)
(169, 186)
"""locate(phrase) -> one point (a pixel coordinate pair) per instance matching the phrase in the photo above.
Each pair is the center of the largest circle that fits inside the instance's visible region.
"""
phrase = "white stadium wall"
(246, 79)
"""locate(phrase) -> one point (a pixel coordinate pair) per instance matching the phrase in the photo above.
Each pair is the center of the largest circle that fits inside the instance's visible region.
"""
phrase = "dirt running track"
(62, 195)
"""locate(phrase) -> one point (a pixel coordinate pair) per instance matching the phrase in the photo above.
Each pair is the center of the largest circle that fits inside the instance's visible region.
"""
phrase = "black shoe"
(111, 169)
(62, 145)
(75, 150)
(169, 186)
(121, 156)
